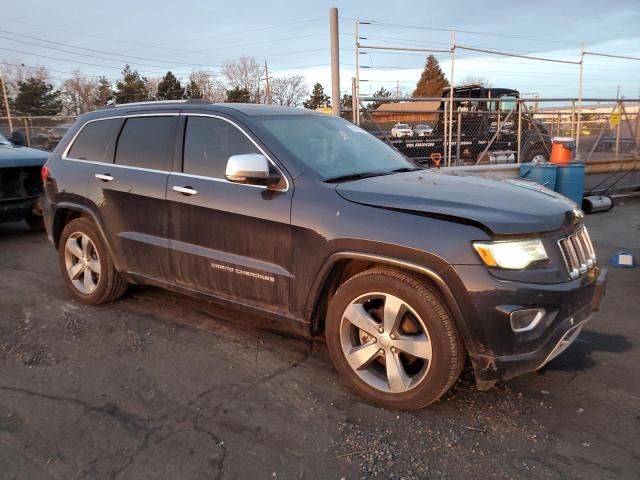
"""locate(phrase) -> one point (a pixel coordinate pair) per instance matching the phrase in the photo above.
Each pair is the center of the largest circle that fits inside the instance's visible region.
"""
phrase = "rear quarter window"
(147, 142)
(96, 141)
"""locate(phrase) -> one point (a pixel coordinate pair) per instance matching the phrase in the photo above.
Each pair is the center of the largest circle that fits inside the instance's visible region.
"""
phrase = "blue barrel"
(544, 174)
(570, 181)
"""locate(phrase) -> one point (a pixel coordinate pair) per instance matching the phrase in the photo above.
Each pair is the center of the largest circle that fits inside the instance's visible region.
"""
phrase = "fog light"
(525, 320)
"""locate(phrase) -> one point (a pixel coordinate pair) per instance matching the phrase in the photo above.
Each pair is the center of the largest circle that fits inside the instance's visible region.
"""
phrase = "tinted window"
(208, 144)
(147, 142)
(96, 141)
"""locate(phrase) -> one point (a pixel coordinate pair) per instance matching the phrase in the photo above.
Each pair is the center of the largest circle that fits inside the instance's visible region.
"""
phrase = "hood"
(12, 156)
(504, 206)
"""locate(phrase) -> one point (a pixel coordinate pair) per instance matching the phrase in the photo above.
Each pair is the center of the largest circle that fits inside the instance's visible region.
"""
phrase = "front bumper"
(499, 353)
(14, 210)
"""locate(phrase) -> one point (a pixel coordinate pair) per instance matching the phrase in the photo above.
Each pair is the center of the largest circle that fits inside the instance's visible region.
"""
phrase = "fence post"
(444, 133)
(573, 118)
(458, 138)
(579, 102)
(519, 138)
(27, 132)
(618, 130)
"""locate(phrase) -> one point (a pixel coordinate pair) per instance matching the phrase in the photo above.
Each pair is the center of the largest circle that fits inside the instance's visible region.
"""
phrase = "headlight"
(512, 255)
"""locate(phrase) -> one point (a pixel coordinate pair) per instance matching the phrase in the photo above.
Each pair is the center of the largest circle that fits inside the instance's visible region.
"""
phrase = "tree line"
(31, 92)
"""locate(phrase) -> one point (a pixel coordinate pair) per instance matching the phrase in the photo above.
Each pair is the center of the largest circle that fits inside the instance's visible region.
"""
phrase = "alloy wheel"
(385, 342)
(82, 262)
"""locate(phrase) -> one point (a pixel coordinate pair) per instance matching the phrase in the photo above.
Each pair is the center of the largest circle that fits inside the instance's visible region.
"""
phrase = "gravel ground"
(158, 385)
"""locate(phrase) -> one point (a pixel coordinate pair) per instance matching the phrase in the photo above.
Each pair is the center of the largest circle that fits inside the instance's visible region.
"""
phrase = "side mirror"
(250, 168)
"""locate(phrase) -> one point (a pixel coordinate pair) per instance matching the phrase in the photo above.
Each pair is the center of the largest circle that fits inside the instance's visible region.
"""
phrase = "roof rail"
(190, 101)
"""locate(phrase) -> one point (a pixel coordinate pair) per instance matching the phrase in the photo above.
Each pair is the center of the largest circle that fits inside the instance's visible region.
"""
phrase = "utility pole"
(335, 61)
(268, 89)
(354, 100)
(580, 101)
(397, 88)
(6, 100)
(356, 95)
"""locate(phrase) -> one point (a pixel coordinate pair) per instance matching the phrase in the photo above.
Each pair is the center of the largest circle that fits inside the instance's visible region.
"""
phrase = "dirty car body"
(283, 250)
(20, 182)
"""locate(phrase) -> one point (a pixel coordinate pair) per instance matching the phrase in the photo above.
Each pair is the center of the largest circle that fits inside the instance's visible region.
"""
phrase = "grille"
(577, 250)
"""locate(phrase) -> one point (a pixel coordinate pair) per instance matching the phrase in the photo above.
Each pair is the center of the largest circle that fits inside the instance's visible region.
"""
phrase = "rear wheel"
(392, 340)
(86, 266)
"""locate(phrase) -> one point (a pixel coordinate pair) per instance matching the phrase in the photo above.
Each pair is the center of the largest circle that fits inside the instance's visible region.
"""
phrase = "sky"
(99, 37)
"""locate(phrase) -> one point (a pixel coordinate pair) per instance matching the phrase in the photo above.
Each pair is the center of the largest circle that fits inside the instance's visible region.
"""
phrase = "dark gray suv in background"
(307, 219)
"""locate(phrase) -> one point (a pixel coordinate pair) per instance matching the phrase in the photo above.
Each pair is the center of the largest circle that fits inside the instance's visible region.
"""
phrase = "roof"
(249, 109)
(402, 107)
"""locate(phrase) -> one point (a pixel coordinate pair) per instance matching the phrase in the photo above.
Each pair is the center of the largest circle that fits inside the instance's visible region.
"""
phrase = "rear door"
(227, 238)
(130, 194)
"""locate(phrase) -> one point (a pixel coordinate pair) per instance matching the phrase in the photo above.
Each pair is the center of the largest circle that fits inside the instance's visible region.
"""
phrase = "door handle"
(105, 177)
(185, 190)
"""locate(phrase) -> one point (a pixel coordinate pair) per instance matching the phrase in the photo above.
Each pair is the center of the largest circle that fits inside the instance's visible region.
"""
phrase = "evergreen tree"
(36, 97)
(238, 95)
(131, 87)
(104, 93)
(317, 99)
(169, 88)
(193, 90)
(382, 93)
(346, 102)
(432, 81)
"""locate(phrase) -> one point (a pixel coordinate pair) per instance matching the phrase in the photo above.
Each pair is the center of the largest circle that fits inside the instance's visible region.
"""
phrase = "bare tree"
(244, 73)
(151, 84)
(78, 94)
(208, 85)
(288, 91)
(14, 74)
(471, 80)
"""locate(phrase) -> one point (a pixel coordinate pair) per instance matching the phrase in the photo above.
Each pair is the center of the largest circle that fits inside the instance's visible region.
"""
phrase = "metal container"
(570, 181)
(542, 173)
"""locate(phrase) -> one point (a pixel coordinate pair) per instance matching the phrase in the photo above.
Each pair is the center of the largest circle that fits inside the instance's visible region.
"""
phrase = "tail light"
(44, 172)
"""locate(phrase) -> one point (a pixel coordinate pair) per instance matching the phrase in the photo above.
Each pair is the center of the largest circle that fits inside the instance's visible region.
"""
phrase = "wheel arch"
(342, 265)
(66, 212)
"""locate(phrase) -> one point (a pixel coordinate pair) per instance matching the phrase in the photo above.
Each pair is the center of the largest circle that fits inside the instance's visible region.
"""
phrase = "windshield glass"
(331, 146)
(402, 125)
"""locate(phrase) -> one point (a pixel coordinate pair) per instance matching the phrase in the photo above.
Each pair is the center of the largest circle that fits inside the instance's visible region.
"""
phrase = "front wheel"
(392, 339)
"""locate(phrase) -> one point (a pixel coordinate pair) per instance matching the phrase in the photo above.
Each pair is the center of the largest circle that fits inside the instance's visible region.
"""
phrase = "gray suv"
(309, 220)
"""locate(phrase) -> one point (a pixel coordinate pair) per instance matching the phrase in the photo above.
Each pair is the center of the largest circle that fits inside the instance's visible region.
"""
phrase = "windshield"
(331, 146)
(402, 125)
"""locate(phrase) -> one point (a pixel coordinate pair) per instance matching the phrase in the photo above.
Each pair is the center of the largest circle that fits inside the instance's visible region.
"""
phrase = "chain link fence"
(43, 133)
(485, 130)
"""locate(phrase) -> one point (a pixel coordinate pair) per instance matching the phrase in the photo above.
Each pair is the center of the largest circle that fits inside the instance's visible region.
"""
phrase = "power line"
(270, 27)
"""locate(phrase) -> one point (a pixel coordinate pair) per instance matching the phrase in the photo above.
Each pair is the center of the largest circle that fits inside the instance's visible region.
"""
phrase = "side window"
(96, 141)
(208, 144)
(147, 142)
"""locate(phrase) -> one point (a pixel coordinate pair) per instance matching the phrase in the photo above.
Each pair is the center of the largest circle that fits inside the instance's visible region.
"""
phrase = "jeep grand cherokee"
(307, 219)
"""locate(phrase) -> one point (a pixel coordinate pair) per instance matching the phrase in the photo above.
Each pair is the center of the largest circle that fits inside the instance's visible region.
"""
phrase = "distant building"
(407, 112)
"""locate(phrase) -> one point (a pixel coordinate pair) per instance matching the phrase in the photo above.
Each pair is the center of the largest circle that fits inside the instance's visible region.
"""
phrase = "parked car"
(54, 136)
(20, 183)
(400, 130)
(422, 130)
(303, 218)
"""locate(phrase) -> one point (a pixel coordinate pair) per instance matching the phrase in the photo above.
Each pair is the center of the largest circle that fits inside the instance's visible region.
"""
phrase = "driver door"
(229, 239)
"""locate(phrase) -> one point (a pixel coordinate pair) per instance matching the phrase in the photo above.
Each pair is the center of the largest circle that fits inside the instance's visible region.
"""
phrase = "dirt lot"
(162, 386)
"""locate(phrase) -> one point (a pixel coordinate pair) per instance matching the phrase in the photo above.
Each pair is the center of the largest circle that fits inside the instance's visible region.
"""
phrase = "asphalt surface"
(161, 386)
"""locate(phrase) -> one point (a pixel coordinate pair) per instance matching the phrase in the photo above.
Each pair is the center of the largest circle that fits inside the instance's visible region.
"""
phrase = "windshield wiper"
(355, 176)
(406, 169)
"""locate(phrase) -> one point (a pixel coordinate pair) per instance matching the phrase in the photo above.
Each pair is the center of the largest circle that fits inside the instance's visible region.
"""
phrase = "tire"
(94, 279)
(35, 222)
(540, 153)
(416, 314)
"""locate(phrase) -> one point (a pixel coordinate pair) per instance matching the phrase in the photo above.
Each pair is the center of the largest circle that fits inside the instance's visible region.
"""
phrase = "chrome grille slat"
(577, 252)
